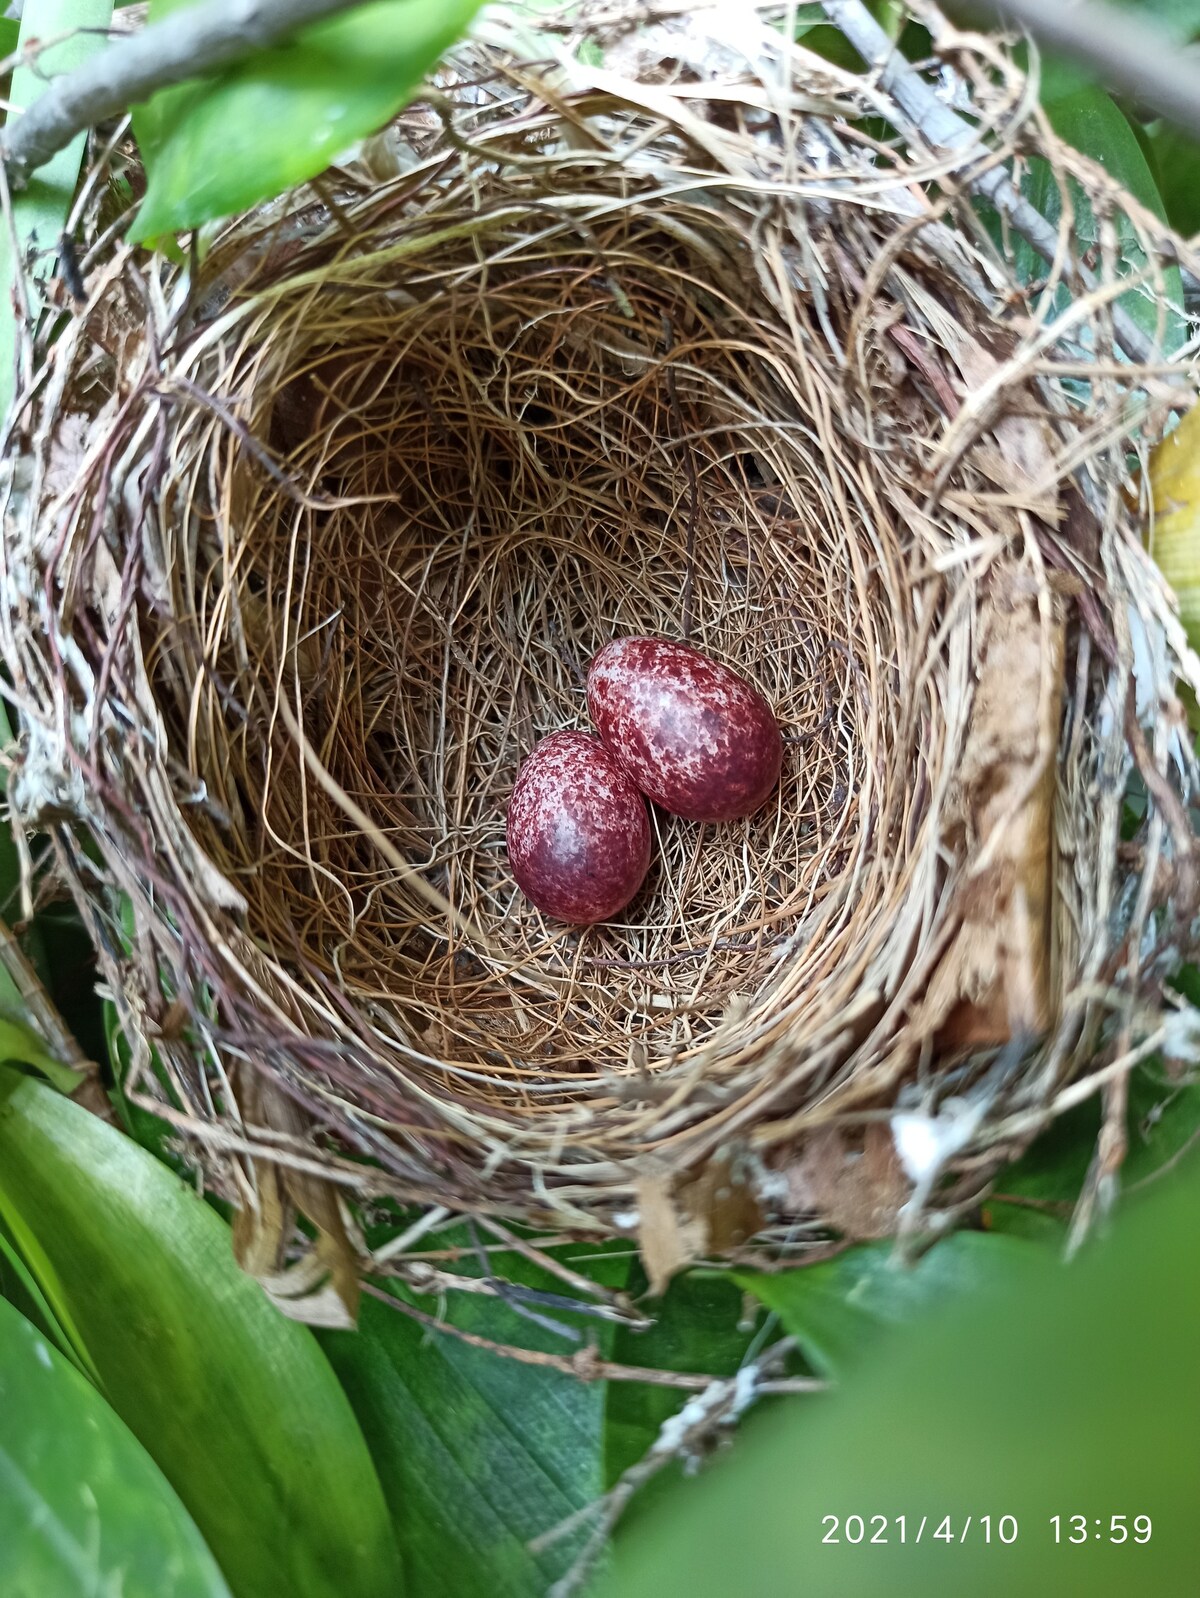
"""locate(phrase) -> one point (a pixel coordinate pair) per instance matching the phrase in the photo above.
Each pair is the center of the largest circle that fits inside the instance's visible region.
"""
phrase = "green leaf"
(237, 1405)
(477, 1453)
(220, 144)
(84, 1511)
(837, 1308)
(20, 1287)
(40, 209)
(1178, 158)
(18, 1041)
(1088, 119)
(698, 1328)
(1162, 1119)
(1075, 1394)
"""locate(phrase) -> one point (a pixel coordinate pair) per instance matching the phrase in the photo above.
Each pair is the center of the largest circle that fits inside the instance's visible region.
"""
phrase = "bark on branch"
(1130, 53)
(943, 129)
(187, 44)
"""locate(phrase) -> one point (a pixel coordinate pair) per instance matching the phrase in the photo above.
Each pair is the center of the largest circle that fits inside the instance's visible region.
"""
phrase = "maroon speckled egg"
(693, 735)
(578, 830)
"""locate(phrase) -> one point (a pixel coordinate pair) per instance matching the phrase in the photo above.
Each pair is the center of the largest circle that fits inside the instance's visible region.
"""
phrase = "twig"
(585, 1366)
(430, 1282)
(682, 1436)
(193, 41)
(547, 1262)
(1132, 54)
(943, 130)
(520, 1298)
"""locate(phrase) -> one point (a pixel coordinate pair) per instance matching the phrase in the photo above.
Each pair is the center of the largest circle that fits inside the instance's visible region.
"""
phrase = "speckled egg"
(694, 736)
(578, 830)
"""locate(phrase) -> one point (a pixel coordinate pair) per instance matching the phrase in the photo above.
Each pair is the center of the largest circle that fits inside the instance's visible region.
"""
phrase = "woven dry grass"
(311, 543)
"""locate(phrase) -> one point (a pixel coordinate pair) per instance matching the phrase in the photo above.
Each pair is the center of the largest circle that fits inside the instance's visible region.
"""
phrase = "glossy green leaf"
(1088, 119)
(40, 209)
(18, 1041)
(220, 144)
(237, 1405)
(84, 1511)
(477, 1453)
(699, 1328)
(1074, 1394)
(1178, 159)
(837, 1308)
(1036, 1195)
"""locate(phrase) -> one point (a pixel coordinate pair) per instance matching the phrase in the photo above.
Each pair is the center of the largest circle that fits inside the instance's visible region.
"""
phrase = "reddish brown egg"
(693, 735)
(578, 830)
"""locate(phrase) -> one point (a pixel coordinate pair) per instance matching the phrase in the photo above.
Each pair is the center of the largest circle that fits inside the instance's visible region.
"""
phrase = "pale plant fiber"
(304, 555)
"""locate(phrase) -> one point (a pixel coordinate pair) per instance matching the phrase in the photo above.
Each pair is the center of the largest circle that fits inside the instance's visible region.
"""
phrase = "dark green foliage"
(1075, 1392)
(220, 144)
(84, 1510)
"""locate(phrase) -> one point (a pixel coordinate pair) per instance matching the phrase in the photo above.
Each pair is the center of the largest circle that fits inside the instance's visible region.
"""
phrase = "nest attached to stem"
(311, 540)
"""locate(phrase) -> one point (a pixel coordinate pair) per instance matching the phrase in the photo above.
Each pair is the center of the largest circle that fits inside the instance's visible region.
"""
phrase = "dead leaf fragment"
(858, 1188)
(994, 978)
(681, 1220)
(665, 1240)
(322, 1287)
(1174, 537)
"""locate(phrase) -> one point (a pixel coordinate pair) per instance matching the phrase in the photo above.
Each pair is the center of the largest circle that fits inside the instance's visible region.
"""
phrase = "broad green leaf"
(1088, 119)
(220, 144)
(837, 1308)
(1162, 1119)
(1074, 1394)
(477, 1453)
(40, 210)
(84, 1511)
(18, 1041)
(698, 1328)
(1178, 159)
(237, 1405)
(20, 1287)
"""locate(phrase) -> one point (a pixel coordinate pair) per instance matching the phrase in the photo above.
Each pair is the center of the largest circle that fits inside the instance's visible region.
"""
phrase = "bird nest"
(312, 537)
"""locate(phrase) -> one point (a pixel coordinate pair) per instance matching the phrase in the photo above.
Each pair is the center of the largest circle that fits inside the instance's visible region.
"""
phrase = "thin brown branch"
(188, 44)
(684, 1435)
(585, 1366)
(1131, 53)
(943, 130)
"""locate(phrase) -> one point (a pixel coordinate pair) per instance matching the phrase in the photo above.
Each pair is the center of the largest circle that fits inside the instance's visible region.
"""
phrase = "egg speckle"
(695, 737)
(578, 831)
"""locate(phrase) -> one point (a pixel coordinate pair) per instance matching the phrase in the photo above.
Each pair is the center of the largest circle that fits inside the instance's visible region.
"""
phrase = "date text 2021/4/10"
(1003, 1529)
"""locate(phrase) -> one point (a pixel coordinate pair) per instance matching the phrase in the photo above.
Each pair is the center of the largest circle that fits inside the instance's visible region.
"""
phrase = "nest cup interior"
(483, 474)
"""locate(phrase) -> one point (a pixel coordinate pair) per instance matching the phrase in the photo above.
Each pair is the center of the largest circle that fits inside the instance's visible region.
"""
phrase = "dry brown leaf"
(681, 1220)
(1024, 461)
(721, 1200)
(67, 452)
(666, 1241)
(993, 980)
(322, 1287)
(859, 1191)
